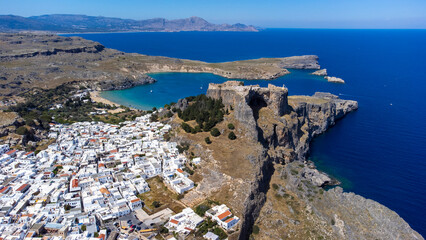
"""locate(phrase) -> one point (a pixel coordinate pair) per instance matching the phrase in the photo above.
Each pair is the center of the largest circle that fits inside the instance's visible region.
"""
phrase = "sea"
(379, 151)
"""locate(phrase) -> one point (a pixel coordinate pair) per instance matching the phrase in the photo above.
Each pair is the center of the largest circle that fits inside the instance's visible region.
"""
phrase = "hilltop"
(70, 23)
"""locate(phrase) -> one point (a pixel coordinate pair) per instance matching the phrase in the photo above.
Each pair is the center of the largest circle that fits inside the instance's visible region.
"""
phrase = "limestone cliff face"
(308, 117)
(285, 126)
(248, 100)
(111, 81)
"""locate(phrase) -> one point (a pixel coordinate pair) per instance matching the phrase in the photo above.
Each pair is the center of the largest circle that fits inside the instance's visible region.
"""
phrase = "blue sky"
(264, 13)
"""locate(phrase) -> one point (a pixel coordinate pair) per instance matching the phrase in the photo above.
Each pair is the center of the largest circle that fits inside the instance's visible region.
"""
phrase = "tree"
(215, 132)
(208, 141)
(83, 228)
(231, 126)
(186, 127)
(96, 234)
(232, 136)
(201, 209)
(256, 229)
(154, 118)
(22, 130)
(156, 204)
(67, 207)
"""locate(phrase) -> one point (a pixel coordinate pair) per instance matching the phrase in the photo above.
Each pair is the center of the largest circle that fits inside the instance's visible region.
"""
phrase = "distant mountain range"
(67, 23)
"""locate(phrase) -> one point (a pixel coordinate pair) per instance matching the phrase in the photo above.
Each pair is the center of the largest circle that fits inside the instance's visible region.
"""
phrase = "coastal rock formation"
(118, 82)
(284, 126)
(321, 72)
(303, 62)
(299, 209)
(247, 100)
(335, 79)
(315, 177)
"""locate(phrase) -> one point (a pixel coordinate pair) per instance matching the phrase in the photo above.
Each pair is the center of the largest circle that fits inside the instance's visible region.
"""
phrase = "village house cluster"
(92, 173)
(187, 221)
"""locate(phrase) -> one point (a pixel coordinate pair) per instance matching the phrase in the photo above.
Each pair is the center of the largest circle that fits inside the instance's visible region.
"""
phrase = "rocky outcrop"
(300, 62)
(248, 100)
(317, 178)
(284, 126)
(118, 82)
(304, 210)
(25, 46)
(321, 72)
(335, 79)
(356, 217)
(257, 196)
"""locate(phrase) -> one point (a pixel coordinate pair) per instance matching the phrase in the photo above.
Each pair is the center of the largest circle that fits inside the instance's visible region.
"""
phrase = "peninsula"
(48, 61)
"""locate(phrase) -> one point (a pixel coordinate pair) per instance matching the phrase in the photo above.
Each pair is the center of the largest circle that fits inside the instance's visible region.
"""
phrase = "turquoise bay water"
(170, 87)
(378, 151)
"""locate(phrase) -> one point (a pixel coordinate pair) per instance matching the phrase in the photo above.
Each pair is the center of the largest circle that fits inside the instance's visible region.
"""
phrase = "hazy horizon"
(362, 14)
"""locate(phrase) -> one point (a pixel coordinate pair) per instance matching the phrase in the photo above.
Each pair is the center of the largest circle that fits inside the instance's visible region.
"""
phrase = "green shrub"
(22, 130)
(156, 204)
(232, 136)
(153, 118)
(201, 209)
(231, 126)
(256, 229)
(208, 141)
(215, 132)
(186, 127)
(275, 186)
(219, 231)
(183, 147)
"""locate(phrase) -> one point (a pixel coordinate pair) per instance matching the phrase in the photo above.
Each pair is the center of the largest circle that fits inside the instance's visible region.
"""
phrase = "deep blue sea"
(378, 151)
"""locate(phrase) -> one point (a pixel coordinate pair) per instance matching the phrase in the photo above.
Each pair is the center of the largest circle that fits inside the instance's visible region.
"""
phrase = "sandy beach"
(96, 97)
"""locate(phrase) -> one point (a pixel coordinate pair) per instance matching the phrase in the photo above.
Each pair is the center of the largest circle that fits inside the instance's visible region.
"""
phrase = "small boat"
(150, 91)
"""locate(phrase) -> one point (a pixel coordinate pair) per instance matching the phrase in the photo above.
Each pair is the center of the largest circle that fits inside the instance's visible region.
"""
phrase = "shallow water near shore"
(378, 151)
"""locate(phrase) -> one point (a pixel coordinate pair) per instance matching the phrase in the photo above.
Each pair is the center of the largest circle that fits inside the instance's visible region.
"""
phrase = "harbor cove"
(377, 151)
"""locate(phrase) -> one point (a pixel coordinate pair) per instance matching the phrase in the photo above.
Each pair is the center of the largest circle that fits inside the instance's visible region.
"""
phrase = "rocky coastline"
(29, 60)
(323, 73)
(284, 126)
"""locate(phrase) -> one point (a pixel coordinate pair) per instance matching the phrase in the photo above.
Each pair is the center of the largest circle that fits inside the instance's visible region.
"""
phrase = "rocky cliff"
(285, 126)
